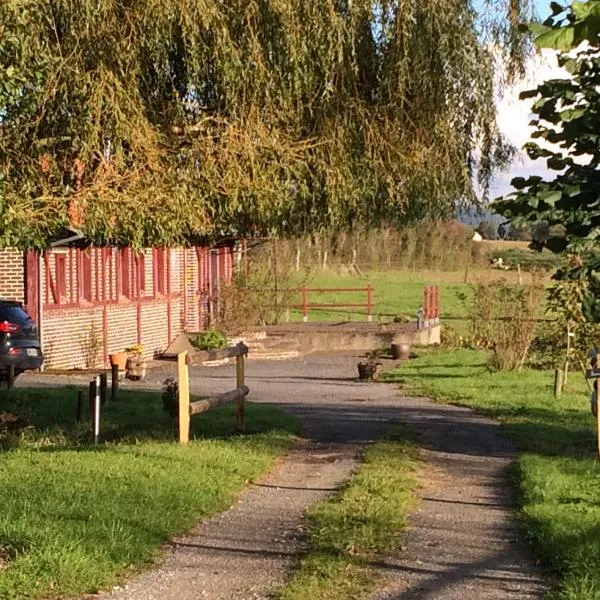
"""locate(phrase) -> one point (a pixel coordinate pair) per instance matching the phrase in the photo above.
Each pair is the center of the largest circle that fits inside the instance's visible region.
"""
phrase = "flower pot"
(119, 359)
(368, 371)
(136, 368)
(401, 351)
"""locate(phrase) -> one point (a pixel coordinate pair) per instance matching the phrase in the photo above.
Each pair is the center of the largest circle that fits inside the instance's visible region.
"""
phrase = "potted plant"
(369, 369)
(401, 350)
(119, 359)
(170, 396)
(136, 364)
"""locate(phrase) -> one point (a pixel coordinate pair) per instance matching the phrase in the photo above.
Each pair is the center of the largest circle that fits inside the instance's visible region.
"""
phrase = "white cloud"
(514, 116)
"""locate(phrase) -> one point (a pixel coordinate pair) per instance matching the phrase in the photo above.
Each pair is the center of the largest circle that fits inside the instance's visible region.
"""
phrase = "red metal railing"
(431, 305)
(306, 305)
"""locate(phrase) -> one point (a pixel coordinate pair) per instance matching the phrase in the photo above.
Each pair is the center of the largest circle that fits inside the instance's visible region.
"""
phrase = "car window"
(13, 314)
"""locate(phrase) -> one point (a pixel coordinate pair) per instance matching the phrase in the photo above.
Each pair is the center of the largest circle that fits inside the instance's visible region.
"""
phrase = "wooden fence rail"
(188, 406)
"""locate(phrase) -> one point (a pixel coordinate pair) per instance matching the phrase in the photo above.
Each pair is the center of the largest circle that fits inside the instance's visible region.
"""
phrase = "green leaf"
(518, 183)
(557, 39)
(550, 197)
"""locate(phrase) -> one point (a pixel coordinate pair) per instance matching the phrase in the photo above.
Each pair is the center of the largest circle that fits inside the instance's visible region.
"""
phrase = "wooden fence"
(306, 305)
(189, 406)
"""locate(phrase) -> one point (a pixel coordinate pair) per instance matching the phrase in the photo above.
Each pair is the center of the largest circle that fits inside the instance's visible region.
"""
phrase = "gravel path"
(462, 541)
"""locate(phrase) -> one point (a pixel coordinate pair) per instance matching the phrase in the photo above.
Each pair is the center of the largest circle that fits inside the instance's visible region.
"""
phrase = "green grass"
(76, 519)
(558, 474)
(357, 524)
(395, 293)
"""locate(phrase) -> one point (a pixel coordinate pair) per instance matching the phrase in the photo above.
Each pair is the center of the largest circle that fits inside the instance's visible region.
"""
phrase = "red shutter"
(125, 272)
(159, 271)
(60, 269)
(85, 276)
(141, 273)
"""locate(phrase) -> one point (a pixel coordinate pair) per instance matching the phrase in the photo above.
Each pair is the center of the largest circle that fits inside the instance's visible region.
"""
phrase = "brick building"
(90, 302)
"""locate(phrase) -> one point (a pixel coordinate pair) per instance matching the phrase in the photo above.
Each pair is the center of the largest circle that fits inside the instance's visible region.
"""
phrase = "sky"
(514, 115)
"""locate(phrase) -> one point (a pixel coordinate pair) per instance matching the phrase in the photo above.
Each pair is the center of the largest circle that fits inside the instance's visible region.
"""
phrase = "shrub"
(503, 320)
(209, 340)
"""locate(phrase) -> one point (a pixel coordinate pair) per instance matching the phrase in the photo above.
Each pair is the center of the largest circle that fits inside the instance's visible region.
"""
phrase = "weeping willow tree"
(157, 121)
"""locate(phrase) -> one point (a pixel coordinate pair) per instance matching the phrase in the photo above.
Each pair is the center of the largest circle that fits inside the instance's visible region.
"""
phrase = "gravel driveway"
(462, 541)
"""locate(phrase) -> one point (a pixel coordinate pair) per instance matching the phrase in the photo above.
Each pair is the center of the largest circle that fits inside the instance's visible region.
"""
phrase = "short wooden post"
(10, 377)
(594, 365)
(558, 382)
(304, 303)
(369, 302)
(80, 403)
(103, 388)
(240, 422)
(92, 395)
(183, 376)
(114, 382)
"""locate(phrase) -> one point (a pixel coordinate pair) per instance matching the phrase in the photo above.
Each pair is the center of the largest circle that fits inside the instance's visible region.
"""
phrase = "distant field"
(505, 244)
(399, 292)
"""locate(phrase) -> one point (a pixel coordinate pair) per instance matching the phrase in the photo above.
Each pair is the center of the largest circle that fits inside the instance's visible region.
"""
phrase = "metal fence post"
(369, 303)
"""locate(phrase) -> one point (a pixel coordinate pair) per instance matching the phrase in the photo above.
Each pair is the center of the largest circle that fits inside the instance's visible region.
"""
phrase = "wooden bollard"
(92, 395)
(80, 404)
(114, 382)
(240, 420)
(103, 388)
(184, 398)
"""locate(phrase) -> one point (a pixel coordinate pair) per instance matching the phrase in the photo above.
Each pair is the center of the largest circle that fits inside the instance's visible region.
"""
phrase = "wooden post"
(240, 422)
(10, 377)
(304, 303)
(80, 403)
(369, 303)
(103, 388)
(184, 398)
(92, 395)
(558, 382)
(114, 382)
(594, 365)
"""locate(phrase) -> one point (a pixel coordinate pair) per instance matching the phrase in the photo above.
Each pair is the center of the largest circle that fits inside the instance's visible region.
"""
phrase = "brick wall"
(82, 335)
(12, 274)
(77, 333)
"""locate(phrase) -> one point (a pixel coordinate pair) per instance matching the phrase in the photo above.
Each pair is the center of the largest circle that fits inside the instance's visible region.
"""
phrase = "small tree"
(567, 117)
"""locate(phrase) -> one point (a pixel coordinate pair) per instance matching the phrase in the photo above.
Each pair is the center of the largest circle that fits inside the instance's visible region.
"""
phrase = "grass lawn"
(357, 524)
(558, 474)
(397, 293)
(76, 519)
(394, 293)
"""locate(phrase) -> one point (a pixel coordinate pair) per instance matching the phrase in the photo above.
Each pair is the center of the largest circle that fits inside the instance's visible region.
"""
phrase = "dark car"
(19, 343)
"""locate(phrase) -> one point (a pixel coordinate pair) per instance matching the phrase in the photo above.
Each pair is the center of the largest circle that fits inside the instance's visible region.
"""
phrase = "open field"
(401, 292)
(76, 518)
(558, 475)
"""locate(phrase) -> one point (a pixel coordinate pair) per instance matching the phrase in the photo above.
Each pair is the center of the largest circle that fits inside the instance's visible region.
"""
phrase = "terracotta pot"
(401, 351)
(136, 368)
(368, 371)
(119, 359)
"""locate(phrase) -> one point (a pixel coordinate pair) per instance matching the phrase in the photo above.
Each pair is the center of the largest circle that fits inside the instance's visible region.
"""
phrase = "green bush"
(209, 340)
